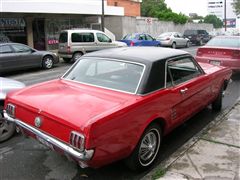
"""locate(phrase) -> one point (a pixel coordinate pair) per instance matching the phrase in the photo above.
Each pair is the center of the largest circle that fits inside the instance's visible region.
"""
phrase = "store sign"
(231, 23)
(12, 23)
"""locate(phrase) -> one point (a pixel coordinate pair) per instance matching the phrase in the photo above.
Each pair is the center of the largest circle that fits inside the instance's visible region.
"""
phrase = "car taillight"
(236, 54)
(199, 52)
(168, 38)
(68, 49)
(131, 43)
(77, 140)
(10, 109)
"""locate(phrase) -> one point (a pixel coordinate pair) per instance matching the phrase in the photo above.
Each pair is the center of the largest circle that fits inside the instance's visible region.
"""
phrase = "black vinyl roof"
(143, 55)
(153, 58)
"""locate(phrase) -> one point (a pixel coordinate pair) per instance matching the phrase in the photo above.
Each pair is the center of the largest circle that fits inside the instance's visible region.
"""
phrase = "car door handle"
(183, 91)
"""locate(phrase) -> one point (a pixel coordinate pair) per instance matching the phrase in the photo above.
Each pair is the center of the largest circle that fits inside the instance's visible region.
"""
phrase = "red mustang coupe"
(221, 50)
(117, 104)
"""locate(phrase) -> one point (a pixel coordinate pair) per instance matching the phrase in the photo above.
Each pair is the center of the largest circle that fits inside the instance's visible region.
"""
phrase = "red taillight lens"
(68, 49)
(77, 140)
(199, 52)
(236, 54)
(131, 43)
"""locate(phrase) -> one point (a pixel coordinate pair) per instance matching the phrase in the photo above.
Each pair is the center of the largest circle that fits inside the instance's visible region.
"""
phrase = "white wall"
(90, 7)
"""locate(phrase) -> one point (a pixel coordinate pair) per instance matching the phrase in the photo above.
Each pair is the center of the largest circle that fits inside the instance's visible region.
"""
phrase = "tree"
(214, 20)
(236, 6)
(159, 9)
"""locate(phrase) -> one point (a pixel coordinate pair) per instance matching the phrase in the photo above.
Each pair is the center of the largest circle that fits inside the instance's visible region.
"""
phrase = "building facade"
(39, 23)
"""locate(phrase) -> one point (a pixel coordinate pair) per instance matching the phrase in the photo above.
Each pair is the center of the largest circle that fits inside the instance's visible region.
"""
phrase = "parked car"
(117, 103)
(198, 37)
(7, 129)
(15, 56)
(221, 50)
(140, 39)
(75, 43)
(173, 39)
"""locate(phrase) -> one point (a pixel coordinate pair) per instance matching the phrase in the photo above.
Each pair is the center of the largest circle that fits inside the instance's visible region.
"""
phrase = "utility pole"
(225, 15)
(102, 17)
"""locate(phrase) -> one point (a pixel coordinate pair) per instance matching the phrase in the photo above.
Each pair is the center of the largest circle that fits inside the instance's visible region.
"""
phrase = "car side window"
(181, 70)
(149, 38)
(103, 38)
(5, 49)
(82, 37)
(21, 48)
(142, 37)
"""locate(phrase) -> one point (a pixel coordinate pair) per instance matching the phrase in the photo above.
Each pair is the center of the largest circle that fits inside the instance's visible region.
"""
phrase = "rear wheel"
(201, 42)
(217, 103)
(67, 60)
(47, 62)
(6, 129)
(76, 56)
(188, 44)
(146, 150)
(174, 45)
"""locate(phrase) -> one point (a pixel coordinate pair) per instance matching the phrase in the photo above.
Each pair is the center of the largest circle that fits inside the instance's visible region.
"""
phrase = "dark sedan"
(15, 56)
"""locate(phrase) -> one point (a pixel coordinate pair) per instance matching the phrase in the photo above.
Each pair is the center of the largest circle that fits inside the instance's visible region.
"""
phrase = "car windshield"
(129, 36)
(165, 35)
(110, 74)
(225, 42)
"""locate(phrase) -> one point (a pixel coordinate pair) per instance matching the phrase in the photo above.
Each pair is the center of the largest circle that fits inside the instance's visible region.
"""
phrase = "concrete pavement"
(215, 155)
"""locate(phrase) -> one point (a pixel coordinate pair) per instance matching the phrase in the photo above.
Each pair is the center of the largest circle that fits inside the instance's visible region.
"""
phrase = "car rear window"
(225, 42)
(165, 34)
(63, 37)
(82, 37)
(190, 32)
(110, 74)
(129, 36)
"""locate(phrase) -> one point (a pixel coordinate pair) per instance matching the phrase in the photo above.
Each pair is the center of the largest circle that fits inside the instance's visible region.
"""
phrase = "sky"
(188, 6)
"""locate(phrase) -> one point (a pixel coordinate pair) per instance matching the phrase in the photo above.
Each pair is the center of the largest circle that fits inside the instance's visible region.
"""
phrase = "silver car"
(173, 39)
(75, 43)
(6, 85)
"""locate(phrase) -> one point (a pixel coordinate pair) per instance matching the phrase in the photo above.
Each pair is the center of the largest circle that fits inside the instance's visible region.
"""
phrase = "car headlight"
(77, 140)
(10, 109)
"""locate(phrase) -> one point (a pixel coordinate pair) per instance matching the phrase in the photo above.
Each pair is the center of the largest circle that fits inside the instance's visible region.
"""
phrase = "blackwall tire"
(76, 56)
(47, 62)
(7, 130)
(147, 149)
(217, 103)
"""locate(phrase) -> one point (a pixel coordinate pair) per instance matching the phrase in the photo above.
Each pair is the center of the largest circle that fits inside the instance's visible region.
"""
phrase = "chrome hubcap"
(48, 62)
(149, 147)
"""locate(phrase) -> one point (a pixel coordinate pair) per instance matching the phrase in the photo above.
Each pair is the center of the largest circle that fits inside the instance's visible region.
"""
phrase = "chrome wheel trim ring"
(149, 147)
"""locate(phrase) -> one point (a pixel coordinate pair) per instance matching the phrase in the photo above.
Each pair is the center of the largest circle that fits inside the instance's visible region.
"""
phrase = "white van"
(74, 43)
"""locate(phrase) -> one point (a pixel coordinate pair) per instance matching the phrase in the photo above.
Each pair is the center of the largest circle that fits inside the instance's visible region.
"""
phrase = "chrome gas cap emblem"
(38, 122)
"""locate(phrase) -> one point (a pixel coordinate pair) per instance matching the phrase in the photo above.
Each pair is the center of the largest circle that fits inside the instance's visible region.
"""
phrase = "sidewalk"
(215, 155)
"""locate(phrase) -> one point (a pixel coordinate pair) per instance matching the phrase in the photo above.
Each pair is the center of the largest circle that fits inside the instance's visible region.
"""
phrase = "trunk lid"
(67, 104)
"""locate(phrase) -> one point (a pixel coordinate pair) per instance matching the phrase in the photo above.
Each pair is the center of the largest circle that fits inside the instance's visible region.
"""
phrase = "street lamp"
(225, 15)
(102, 17)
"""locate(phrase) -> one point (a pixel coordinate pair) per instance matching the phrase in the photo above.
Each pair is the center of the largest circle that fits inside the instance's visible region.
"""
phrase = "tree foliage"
(236, 6)
(159, 9)
(213, 19)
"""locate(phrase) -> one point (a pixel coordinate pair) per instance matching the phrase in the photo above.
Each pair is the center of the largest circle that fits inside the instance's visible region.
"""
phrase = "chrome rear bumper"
(79, 156)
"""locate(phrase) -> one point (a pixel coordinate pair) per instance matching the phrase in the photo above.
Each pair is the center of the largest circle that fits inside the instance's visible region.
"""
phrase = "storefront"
(38, 23)
(13, 29)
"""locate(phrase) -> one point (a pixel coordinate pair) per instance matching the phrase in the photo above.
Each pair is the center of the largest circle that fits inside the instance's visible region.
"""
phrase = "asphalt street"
(22, 158)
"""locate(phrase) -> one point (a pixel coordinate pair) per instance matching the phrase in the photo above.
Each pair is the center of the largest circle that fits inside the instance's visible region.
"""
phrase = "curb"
(190, 143)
